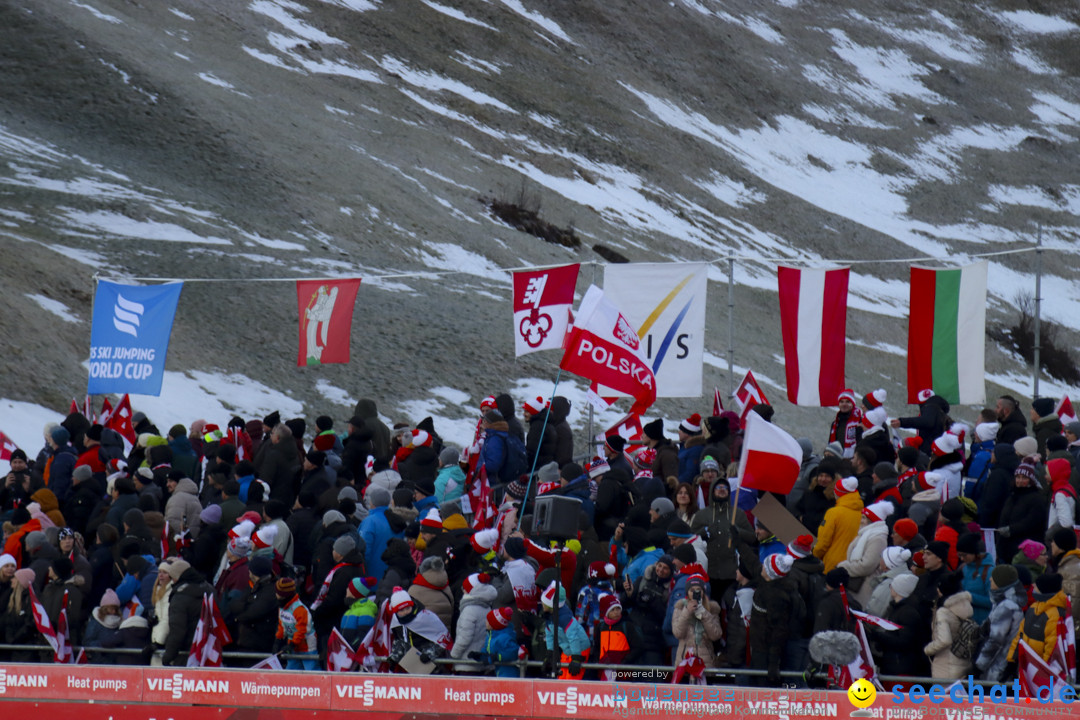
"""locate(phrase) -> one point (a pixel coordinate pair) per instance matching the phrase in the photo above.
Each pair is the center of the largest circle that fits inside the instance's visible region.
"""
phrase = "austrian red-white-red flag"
(770, 457)
(603, 346)
(326, 310)
(813, 321)
(542, 302)
(749, 394)
(7, 446)
(1065, 411)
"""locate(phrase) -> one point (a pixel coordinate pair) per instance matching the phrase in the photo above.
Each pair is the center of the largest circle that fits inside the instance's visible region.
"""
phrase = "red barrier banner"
(214, 686)
(71, 682)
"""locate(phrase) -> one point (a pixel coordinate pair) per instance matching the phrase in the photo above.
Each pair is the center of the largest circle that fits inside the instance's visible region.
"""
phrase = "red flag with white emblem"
(1065, 411)
(210, 636)
(106, 412)
(749, 394)
(7, 446)
(120, 421)
(326, 310)
(340, 656)
(717, 403)
(376, 643)
(542, 303)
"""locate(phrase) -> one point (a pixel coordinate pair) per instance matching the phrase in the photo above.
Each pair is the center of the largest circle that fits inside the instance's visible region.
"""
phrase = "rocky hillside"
(286, 139)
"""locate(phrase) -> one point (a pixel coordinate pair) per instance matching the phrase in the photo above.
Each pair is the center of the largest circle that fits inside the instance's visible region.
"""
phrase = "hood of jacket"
(186, 485)
(1005, 456)
(560, 408)
(1009, 592)
(46, 499)
(939, 402)
(499, 427)
(959, 605)
(367, 409)
(850, 501)
(482, 594)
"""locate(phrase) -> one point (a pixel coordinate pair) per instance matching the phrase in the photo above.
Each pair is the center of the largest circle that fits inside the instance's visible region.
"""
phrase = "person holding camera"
(695, 622)
(16, 490)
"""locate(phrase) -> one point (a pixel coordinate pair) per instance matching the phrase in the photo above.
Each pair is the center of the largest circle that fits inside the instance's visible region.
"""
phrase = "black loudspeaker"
(556, 517)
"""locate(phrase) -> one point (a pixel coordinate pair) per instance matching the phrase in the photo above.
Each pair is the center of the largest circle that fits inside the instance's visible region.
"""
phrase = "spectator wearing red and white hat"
(691, 445)
(945, 459)
(930, 422)
(541, 441)
(864, 552)
(476, 602)
(847, 426)
(841, 523)
(499, 643)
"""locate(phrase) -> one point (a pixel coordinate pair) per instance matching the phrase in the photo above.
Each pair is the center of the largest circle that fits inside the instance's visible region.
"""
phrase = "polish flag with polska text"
(603, 346)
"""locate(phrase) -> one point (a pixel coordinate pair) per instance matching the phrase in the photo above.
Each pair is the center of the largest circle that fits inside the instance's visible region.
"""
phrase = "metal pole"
(731, 326)
(589, 447)
(1038, 312)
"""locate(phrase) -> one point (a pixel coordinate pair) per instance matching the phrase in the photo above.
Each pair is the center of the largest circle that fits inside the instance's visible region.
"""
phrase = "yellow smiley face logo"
(862, 693)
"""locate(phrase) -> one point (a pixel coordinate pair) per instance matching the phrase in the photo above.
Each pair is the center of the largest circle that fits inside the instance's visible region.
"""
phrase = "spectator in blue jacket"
(500, 645)
(450, 482)
(381, 524)
(691, 444)
(976, 569)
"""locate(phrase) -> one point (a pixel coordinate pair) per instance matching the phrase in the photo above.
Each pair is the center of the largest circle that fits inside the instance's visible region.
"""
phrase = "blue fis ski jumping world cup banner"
(129, 337)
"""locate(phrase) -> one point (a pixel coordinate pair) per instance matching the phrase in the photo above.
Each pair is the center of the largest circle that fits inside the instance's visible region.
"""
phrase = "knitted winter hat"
(845, 486)
(285, 587)
(654, 430)
(264, 537)
(837, 577)
(885, 471)
(109, 599)
(35, 540)
(241, 547)
(940, 548)
(709, 463)
(878, 511)
(484, 540)
(1074, 428)
(1026, 469)
(1065, 539)
(547, 598)
(400, 600)
(615, 443)
(679, 529)
(1026, 446)
(1043, 406)
(874, 399)
(1032, 549)
(432, 522)
(644, 458)
(947, 443)
(873, 419)
(260, 566)
(971, 544)
(332, 516)
(987, 431)
(6, 559)
(601, 570)
(904, 585)
(361, 587)
(598, 467)
(952, 510)
(475, 580)
(775, 566)
(176, 568)
(488, 403)
(607, 603)
(344, 545)
(906, 528)
(63, 567)
(514, 547)
(1004, 576)
(691, 425)
(894, 556)
(211, 515)
(243, 529)
(25, 577)
(1048, 583)
(846, 393)
(499, 618)
(662, 505)
(685, 553)
(924, 395)
(1056, 443)
(377, 496)
(534, 405)
(801, 546)
(835, 449)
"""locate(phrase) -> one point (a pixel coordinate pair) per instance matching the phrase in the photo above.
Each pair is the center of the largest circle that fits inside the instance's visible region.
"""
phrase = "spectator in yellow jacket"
(1039, 628)
(841, 523)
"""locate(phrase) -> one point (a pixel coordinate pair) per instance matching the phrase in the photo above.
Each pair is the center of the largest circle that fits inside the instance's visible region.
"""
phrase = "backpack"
(516, 462)
(966, 640)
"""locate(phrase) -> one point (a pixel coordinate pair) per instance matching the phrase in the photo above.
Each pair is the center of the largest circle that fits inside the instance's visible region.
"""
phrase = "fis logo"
(126, 315)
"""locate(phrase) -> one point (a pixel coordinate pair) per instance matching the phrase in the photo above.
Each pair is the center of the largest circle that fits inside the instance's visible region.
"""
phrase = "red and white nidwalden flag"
(1065, 411)
(120, 420)
(326, 309)
(603, 346)
(770, 457)
(813, 321)
(542, 302)
(749, 394)
(7, 446)
(339, 653)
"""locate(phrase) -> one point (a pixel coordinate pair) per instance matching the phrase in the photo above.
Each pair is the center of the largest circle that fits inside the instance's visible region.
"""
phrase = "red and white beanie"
(483, 541)
(776, 566)
(874, 418)
(846, 393)
(801, 546)
(691, 425)
(534, 405)
(929, 480)
(475, 580)
(924, 395)
(488, 403)
(243, 529)
(607, 603)
(400, 600)
(878, 511)
(845, 486)
(264, 537)
(874, 399)
(432, 520)
(499, 618)
(947, 443)
(598, 467)
(421, 438)
(601, 570)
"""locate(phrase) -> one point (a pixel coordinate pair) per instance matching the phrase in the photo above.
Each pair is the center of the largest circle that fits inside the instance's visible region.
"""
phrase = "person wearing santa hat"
(691, 445)
(499, 645)
(413, 626)
(808, 576)
(611, 639)
(598, 583)
(847, 426)
(478, 597)
(931, 420)
(776, 605)
(841, 523)
(893, 563)
(945, 459)
(864, 552)
(542, 440)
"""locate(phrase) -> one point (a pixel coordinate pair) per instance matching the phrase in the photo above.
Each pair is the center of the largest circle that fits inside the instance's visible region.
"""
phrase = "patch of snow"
(549, 25)
(207, 77)
(1036, 23)
(843, 115)
(334, 394)
(1029, 61)
(438, 83)
(56, 307)
(1054, 110)
(452, 115)
(448, 256)
(880, 346)
(481, 66)
(277, 244)
(457, 15)
(337, 111)
(278, 10)
(731, 192)
(181, 14)
(1030, 195)
(886, 72)
(86, 257)
(115, 224)
(287, 45)
(97, 13)
(357, 5)
(270, 59)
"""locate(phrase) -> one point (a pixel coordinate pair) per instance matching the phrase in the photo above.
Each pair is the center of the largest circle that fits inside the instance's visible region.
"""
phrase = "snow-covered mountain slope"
(284, 139)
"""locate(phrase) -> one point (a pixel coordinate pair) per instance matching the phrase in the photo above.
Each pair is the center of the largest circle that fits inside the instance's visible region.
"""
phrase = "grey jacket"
(999, 630)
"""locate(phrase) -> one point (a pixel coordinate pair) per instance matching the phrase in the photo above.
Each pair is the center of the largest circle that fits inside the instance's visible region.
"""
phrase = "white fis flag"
(665, 304)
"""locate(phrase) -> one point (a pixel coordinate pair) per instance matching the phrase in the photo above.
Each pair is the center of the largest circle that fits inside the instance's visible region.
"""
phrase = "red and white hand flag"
(717, 403)
(58, 638)
(340, 656)
(211, 636)
(120, 420)
(270, 662)
(106, 412)
(770, 459)
(376, 643)
(749, 394)
(1065, 411)
(7, 446)
(603, 346)
(542, 303)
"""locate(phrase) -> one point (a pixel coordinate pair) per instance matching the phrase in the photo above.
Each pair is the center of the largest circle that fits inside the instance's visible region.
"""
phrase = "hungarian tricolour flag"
(813, 321)
(947, 333)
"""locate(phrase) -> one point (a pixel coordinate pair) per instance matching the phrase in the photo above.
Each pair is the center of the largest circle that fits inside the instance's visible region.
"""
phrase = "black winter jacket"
(185, 606)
